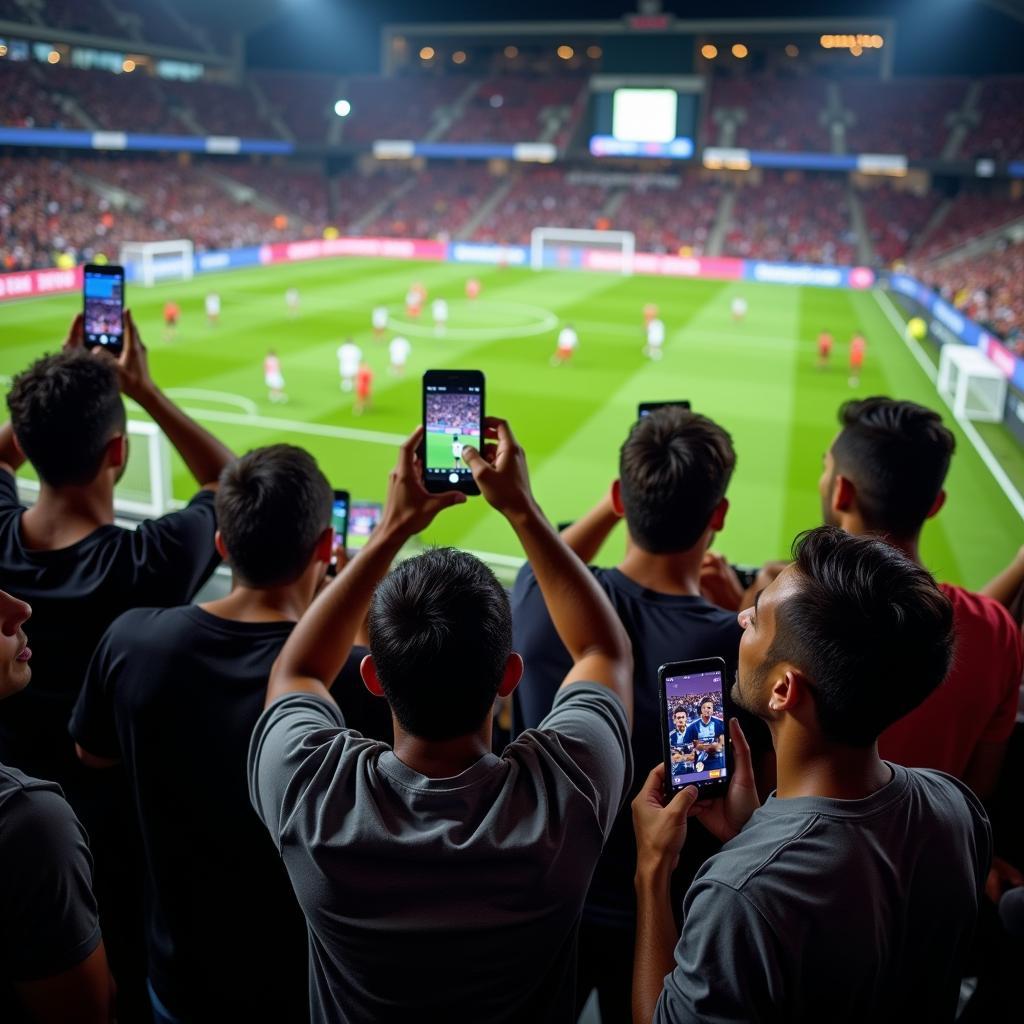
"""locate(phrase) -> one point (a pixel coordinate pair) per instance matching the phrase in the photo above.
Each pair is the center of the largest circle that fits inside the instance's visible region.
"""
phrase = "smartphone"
(746, 574)
(453, 416)
(646, 408)
(363, 516)
(339, 520)
(695, 736)
(103, 307)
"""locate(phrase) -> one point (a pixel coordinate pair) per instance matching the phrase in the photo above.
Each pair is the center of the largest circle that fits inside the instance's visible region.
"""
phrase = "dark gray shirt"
(836, 910)
(434, 899)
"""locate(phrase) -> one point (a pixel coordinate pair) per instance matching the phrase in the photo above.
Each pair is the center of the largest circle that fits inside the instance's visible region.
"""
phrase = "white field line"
(247, 405)
(969, 429)
(296, 426)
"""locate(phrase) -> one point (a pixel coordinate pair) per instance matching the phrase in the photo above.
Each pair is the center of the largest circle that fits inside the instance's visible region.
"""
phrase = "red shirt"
(978, 700)
(364, 378)
(857, 350)
(171, 311)
(824, 342)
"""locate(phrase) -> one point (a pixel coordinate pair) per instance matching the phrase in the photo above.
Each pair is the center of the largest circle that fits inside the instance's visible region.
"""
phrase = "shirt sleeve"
(289, 743)
(8, 491)
(587, 732)
(93, 724)
(173, 556)
(728, 962)
(1012, 669)
(49, 922)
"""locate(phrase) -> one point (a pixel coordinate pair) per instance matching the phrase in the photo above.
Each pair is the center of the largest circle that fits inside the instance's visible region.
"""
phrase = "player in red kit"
(472, 288)
(364, 389)
(171, 314)
(857, 347)
(824, 349)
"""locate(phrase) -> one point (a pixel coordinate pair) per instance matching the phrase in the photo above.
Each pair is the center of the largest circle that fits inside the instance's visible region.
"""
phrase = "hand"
(410, 507)
(1001, 876)
(660, 831)
(719, 583)
(725, 816)
(133, 363)
(76, 335)
(500, 470)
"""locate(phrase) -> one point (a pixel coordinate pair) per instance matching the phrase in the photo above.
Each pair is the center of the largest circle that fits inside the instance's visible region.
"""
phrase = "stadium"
(764, 211)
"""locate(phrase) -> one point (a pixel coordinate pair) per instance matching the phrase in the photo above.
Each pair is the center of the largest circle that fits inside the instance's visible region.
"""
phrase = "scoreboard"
(644, 117)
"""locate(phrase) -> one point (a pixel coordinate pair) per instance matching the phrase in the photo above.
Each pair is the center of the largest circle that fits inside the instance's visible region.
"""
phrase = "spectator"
(852, 893)
(54, 967)
(440, 881)
(200, 671)
(674, 468)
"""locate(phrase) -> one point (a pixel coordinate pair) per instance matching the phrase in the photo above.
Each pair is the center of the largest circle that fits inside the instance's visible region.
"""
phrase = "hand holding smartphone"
(453, 416)
(103, 307)
(339, 521)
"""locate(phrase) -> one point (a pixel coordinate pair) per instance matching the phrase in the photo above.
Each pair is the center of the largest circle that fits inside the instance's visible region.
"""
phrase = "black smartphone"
(363, 516)
(695, 737)
(453, 417)
(103, 307)
(747, 574)
(339, 520)
(646, 408)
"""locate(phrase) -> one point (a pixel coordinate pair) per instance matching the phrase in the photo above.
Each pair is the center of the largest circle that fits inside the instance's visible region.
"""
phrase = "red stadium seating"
(777, 113)
(1000, 132)
(895, 219)
(970, 215)
(512, 109)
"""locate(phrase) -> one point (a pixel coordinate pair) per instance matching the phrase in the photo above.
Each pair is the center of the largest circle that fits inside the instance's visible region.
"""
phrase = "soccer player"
(364, 388)
(650, 312)
(413, 302)
(824, 349)
(440, 311)
(739, 308)
(291, 300)
(567, 342)
(472, 288)
(707, 734)
(457, 447)
(349, 357)
(213, 308)
(379, 318)
(399, 350)
(273, 377)
(655, 339)
(857, 347)
(679, 720)
(172, 311)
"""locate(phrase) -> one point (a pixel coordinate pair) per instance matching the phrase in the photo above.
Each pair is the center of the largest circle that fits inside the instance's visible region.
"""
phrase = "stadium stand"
(96, 18)
(999, 132)
(770, 113)
(304, 102)
(516, 110)
(220, 108)
(26, 104)
(970, 214)
(296, 189)
(665, 220)
(895, 218)
(398, 108)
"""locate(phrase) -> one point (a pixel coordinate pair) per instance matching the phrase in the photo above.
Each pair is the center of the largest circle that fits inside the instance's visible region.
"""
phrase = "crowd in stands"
(667, 220)
(298, 190)
(303, 102)
(895, 219)
(399, 108)
(970, 214)
(999, 132)
(515, 110)
(289, 802)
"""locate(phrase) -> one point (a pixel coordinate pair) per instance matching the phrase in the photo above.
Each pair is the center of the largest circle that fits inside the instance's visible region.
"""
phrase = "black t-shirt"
(175, 693)
(75, 593)
(662, 628)
(48, 920)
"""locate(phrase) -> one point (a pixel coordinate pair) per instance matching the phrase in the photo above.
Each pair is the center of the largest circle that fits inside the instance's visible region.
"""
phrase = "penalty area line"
(297, 426)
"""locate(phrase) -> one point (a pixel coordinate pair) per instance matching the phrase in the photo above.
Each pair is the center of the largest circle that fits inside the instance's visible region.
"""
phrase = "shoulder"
(976, 612)
(138, 626)
(33, 815)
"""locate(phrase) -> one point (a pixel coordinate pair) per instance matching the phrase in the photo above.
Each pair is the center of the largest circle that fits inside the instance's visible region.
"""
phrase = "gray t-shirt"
(836, 910)
(441, 899)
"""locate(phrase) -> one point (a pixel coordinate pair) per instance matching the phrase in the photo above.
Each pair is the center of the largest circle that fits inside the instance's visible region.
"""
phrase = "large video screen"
(656, 121)
(644, 115)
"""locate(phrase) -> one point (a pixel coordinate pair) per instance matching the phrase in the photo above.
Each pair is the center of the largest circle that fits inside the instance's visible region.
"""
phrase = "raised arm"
(319, 645)
(83, 994)
(201, 452)
(586, 536)
(1007, 584)
(580, 611)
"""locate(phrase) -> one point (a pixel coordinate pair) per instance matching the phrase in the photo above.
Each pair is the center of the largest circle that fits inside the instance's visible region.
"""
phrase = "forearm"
(1006, 585)
(321, 642)
(655, 941)
(586, 535)
(201, 452)
(10, 453)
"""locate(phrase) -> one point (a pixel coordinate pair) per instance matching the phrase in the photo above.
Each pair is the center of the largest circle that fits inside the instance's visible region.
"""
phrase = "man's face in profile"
(826, 484)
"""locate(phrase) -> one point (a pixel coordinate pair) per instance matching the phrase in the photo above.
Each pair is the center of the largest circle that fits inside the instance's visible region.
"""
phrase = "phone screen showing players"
(695, 721)
(364, 516)
(104, 297)
(453, 414)
(339, 521)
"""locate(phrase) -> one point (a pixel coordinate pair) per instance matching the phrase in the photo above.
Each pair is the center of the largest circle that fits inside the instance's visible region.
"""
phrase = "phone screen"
(697, 734)
(363, 517)
(453, 404)
(104, 307)
(339, 521)
(646, 408)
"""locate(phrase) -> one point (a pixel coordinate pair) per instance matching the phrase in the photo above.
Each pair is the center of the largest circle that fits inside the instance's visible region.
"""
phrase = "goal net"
(149, 262)
(569, 248)
(971, 384)
(144, 491)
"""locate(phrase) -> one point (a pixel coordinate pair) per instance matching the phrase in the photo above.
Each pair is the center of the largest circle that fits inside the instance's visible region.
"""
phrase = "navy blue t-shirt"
(662, 628)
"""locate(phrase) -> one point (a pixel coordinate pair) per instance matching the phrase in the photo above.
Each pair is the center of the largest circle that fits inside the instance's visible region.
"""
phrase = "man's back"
(838, 910)
(977, 702)
(448, 898)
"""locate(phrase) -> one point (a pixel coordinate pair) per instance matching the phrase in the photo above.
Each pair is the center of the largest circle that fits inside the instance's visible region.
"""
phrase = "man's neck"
(677, 573)
(809, 768)
(441, 759)
(254, 604)
(63, 516)
(853, 524)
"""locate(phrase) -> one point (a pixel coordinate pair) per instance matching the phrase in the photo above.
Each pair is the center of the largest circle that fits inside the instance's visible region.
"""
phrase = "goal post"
(971, 384)
(576, 248)
(149, 262)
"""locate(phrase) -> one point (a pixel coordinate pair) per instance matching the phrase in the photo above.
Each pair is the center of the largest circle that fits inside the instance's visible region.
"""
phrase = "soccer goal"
(149, 262)
(971, 384)
(570, 248)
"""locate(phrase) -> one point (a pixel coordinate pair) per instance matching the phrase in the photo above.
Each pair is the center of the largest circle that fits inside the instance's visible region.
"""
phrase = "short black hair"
(65, 408)
(868, 627)
(273, 505)
(440, 634)
(896, 454)
(674, 469)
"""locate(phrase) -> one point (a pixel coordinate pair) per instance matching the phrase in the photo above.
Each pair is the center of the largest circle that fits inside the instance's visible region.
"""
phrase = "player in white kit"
(273, 377)
(739, 308)
(655, 339)
(567, 342)
(350, 355)
(399, 350)
(380, 321)
(213, 307)
(291, 300)
(439, 308)
(457, 447)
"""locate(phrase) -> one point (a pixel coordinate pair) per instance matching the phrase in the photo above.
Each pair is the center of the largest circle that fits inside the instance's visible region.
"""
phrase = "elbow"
(92, 760)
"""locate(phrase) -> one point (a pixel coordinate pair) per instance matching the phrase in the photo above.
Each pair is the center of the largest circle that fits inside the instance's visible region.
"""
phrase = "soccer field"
(757, 378)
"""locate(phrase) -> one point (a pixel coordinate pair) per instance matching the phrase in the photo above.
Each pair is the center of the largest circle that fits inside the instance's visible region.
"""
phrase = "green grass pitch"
(439, 449)
(758, 378)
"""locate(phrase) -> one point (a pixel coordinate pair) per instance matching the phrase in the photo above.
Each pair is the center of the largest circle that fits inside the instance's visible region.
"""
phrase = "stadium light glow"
(565, 52)
(343, 108)
(53, 57)
(739, 51)
(708, 51)
(459, 57)
(850, 42)
(792, 50)
(594, 52)
(427, 53)
(511, 52)
(128, 65)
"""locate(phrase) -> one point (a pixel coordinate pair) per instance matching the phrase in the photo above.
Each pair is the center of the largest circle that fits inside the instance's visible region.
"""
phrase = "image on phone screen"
(363, 517)
(339, 522)
(646, 408)
(697, 734)
(104, 308)
(453, 411)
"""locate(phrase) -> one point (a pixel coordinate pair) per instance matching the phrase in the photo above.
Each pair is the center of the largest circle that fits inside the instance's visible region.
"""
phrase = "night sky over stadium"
(934, 36)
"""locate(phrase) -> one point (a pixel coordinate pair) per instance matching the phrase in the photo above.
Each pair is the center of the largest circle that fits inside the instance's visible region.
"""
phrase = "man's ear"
(790, 691)
(218, 543)
(940, 500)
(844, 494)
(368, 671)
(717, 520)
(513, 673)
(117, 451)
(620, 509)
(324, 546)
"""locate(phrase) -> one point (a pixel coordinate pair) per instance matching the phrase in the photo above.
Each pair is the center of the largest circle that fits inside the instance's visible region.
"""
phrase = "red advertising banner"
(28, 283)
(320, 248)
